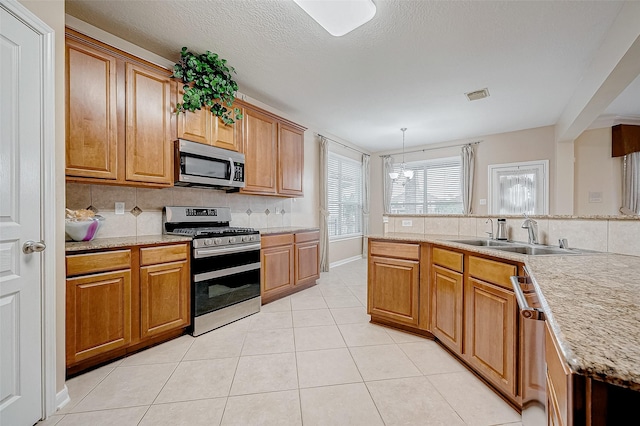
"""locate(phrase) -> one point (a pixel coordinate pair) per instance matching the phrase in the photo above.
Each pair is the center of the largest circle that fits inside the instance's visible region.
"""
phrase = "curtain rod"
(340, 143)
(438, 147)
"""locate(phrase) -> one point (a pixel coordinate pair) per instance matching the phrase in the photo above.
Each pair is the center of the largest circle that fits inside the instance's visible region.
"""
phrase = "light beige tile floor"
(311, 358)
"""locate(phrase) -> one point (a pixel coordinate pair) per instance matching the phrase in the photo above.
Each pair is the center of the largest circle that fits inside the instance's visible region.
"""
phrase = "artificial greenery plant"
(207, 83)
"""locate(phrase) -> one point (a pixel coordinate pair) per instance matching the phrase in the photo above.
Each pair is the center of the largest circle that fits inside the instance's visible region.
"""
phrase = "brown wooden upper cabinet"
(119, 122)
(203, 127)
(274, 154)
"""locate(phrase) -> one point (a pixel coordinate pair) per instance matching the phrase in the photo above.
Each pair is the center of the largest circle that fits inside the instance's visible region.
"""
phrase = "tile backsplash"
(606, 235)
(143, 207)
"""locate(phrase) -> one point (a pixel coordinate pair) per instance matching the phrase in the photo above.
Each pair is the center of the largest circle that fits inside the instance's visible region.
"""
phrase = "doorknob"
(31, 246)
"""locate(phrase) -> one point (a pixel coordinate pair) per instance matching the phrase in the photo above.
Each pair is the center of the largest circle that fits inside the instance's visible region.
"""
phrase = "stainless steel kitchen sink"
(536, 251)
(483, 242)
(516, 247)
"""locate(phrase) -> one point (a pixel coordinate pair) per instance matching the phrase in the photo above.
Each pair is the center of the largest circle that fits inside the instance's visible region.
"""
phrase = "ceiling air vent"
(478, 94)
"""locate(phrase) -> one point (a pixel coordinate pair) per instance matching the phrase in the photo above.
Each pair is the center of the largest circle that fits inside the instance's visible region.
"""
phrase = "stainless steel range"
(225, 265)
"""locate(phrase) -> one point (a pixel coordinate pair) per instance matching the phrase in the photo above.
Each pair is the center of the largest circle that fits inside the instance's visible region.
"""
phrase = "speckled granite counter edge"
(551, 217)
(578, 366)
(116, 242)
(287, 230)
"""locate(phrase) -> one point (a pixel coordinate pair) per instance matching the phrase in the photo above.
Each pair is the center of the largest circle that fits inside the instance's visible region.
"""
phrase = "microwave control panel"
(238, 175)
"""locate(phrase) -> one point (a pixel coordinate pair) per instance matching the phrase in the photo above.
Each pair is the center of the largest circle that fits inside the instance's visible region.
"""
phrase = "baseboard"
(62, 398)
(345, 261)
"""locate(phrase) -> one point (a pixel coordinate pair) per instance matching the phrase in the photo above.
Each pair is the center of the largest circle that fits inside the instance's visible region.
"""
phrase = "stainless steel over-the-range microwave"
(202, 165)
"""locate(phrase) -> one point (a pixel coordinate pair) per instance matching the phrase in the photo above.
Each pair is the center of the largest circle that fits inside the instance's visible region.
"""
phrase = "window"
(519, 188)
(436, 188)
(345, 196)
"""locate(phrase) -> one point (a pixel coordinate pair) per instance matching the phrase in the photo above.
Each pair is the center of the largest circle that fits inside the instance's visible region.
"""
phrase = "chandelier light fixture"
(405, 174)
(339, 17)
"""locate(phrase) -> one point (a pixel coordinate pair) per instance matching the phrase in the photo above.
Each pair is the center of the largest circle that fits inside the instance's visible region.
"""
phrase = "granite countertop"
(591, 302)
(105, 243)
(286, 230)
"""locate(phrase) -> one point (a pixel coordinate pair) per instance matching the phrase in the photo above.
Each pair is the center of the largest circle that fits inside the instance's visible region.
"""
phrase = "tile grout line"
(235, 371)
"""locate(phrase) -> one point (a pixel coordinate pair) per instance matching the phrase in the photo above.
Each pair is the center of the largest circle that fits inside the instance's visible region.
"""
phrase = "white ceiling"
(409, 67)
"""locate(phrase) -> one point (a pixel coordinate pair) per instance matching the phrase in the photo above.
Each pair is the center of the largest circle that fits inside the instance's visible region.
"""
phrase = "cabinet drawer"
(448, 259)
(307, 236)
(276, 240)
(162, 254)
(492, 271)
(402, 250)
(90, 263)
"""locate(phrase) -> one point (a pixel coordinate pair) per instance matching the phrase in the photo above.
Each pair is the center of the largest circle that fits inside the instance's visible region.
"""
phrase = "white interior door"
(20, 222)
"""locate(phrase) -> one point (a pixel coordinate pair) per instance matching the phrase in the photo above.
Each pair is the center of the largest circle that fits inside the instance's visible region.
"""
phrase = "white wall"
(523, 145)
(596, 171)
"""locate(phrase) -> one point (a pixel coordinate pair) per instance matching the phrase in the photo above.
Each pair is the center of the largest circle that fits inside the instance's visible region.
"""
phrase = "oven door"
(224, 276)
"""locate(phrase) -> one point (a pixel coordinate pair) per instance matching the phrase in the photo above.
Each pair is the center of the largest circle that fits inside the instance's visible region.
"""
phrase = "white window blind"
(345, 196)
(436, 188)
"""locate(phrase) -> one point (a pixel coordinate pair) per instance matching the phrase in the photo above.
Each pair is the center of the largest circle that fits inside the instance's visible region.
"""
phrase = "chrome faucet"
(490, 233)
(532, 226)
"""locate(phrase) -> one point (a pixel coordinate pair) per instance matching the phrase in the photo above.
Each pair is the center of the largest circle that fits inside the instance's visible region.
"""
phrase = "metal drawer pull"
(526, 310)
(217, 251)
(225, 272)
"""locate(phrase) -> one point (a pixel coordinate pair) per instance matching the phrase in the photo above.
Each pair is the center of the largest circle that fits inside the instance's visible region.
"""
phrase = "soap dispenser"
(501, 232)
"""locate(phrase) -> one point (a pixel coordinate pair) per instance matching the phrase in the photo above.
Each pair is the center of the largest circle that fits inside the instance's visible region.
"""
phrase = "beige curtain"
(387, 183)
(631, 184)
(468, 165)
(366, 204)
(324, 205)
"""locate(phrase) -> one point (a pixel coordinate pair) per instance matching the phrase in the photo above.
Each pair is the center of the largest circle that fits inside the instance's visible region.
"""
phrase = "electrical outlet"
(385, 219)
(119, 208)
(407, 223)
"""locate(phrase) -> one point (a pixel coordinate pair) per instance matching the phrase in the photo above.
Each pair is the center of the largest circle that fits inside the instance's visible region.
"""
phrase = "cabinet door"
(195, 126)
(98, 314)
(277, 271)
(290, 160)
(91, 119)
(227, 136)
(393, 289)
(150, 98)
(164, 298)
(446, 320)
(260, 153)
(307, 262)
(490, 345)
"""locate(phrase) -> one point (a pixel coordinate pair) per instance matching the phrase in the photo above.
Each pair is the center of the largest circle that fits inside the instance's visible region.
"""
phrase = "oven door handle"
(217, 251)
(526, 310)
(225, 272)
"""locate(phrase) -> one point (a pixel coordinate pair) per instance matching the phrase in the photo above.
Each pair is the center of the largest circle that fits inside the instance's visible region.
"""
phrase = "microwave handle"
(232, 170)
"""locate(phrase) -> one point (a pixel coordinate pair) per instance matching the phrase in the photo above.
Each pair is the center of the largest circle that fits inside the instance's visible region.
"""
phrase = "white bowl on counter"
(83, 230)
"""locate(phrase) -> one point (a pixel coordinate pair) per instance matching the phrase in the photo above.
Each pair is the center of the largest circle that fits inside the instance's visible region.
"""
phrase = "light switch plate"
(407, 223)
(385, 219)
(119, 208)
(483, 201)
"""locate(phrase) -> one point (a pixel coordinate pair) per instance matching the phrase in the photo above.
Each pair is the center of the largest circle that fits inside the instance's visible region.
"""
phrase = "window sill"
(344, 237)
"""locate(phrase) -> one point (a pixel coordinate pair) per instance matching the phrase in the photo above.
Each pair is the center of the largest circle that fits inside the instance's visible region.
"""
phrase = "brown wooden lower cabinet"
(393, 289)
(98, 318)
(121, 300)
(491, 324)
(164, 299)
(289, 262)
(446, 307)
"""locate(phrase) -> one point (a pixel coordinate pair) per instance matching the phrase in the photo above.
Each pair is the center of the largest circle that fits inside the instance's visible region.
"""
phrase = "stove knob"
(247, 238)
(232, 240)
(208, 242)
(217, 241)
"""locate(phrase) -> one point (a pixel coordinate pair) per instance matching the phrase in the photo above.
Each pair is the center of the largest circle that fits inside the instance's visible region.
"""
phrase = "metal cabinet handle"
(33, 247)
(526, 310)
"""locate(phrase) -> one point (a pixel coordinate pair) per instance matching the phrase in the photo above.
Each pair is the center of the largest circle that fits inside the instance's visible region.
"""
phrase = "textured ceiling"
(409, 67)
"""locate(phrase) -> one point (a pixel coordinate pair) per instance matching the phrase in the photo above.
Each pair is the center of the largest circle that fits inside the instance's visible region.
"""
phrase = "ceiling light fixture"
(339, 17)
(405, 174)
